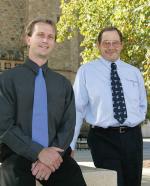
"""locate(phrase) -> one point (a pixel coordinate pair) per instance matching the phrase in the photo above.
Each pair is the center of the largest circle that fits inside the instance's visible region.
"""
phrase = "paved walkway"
(146, 163)
(83, 157)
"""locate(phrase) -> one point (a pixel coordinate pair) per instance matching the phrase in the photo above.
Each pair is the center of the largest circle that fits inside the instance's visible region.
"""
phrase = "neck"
(111, 61)
(37, 60)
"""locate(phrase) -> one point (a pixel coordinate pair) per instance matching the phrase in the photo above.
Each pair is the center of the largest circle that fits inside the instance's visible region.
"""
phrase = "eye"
(51, 37)
(41, 35)
(106, 44)
(116, 43)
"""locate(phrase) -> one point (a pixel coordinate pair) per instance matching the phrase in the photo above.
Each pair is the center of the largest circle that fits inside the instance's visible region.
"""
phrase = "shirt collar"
(34, 67)
(108, 63)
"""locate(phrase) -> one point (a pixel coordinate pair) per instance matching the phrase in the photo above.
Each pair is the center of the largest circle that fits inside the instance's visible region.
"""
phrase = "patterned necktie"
(119, 106)
(40, 115)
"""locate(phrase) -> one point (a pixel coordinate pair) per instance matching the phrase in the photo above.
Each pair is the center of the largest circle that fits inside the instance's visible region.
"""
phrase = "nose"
(111, 45)
(45, 39)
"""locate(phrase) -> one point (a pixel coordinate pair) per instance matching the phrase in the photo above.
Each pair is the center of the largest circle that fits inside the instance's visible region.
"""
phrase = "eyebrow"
(112, 40)
(40, 32)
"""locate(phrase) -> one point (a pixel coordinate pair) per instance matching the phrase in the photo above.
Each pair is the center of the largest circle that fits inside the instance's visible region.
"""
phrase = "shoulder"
(131, 71)
(9, 74)
(130, 67)
(88, 66)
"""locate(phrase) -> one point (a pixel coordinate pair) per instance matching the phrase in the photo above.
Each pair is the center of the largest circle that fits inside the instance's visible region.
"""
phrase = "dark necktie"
(40, 115)
(119, 106)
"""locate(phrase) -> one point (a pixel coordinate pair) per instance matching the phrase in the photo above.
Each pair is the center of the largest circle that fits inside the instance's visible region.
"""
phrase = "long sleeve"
(65, 132)
(11, 133)
(142, 93)
(81, 101)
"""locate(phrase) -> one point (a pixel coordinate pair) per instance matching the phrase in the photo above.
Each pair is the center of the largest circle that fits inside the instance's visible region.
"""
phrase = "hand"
(50, 156)
(40, 171)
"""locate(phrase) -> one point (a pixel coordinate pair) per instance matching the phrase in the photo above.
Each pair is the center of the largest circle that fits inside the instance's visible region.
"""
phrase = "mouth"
(43, 46)
(110, 53)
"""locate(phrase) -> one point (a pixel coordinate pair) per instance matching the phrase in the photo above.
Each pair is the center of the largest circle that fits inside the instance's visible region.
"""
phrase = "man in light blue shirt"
(114, 111)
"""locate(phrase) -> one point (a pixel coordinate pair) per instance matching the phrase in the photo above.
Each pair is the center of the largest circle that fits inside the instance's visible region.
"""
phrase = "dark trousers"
(16, 171)
(122, 152)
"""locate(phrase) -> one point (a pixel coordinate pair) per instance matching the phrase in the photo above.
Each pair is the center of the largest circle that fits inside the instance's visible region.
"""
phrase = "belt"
(120, 129)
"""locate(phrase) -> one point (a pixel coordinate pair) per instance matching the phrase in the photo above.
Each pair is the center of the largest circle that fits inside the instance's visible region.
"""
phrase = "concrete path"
(83, 157)
(146, 157)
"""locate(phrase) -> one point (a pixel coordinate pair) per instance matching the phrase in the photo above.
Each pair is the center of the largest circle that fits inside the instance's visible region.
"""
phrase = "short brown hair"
(30, 27)
(110, 29)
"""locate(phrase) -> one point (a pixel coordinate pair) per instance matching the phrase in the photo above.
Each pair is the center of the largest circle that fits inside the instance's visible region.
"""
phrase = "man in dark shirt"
(24, 159)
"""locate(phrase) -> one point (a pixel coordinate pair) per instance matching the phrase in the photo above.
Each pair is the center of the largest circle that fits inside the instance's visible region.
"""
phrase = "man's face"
(42, 41)
(110, 45)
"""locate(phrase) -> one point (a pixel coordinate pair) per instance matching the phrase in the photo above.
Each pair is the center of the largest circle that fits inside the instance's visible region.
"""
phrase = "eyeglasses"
(107, 44)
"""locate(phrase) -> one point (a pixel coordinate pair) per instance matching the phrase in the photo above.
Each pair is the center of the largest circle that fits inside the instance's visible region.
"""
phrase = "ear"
(122, 45)
(98, 44)
(27, 40)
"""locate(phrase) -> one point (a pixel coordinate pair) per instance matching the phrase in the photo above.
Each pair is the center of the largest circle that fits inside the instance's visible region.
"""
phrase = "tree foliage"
(88, 17)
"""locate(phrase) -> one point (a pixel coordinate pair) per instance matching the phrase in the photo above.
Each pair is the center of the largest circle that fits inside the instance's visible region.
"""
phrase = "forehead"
(43, 27)
(110, 35)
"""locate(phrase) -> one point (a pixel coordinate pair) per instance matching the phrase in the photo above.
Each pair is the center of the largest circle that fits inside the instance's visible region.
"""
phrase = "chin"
(43, 56)
(112, 59)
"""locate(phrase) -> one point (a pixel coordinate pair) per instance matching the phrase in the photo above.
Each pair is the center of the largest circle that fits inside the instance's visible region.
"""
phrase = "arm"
(81, 101)
(51, 156)
(142, 93)
(13, 136)
(11, 133)
(67, 123)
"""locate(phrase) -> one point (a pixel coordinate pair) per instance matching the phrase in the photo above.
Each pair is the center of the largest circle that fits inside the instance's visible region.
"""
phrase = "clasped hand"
(49, 160)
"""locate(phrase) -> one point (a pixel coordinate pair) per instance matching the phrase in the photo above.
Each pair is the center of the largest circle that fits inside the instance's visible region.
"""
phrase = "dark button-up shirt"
(16, 106)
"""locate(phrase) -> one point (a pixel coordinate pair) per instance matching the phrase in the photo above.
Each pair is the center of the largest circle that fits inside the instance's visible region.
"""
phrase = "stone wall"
(12, 21)
(15, 15)
(146, 129)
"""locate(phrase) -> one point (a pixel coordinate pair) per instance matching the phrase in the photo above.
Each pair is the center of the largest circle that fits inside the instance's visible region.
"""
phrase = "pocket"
(130, 88)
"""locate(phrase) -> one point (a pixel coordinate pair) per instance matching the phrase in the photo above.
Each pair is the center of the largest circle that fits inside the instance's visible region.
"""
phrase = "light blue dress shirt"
(93, 95)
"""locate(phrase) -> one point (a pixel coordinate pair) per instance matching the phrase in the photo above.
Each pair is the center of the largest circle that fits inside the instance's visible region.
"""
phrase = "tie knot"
(113, 66)
(40, 72)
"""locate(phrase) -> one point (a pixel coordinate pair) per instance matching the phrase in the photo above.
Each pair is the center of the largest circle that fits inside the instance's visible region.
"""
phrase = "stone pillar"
(99, 177)
(42, 8)
(12, 21)
(64, 58)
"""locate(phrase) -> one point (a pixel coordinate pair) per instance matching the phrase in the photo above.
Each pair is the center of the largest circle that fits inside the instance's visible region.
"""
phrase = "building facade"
(14, 17)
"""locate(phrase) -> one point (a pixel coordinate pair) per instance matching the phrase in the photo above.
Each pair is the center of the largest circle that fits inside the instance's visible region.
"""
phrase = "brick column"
(41, 8)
